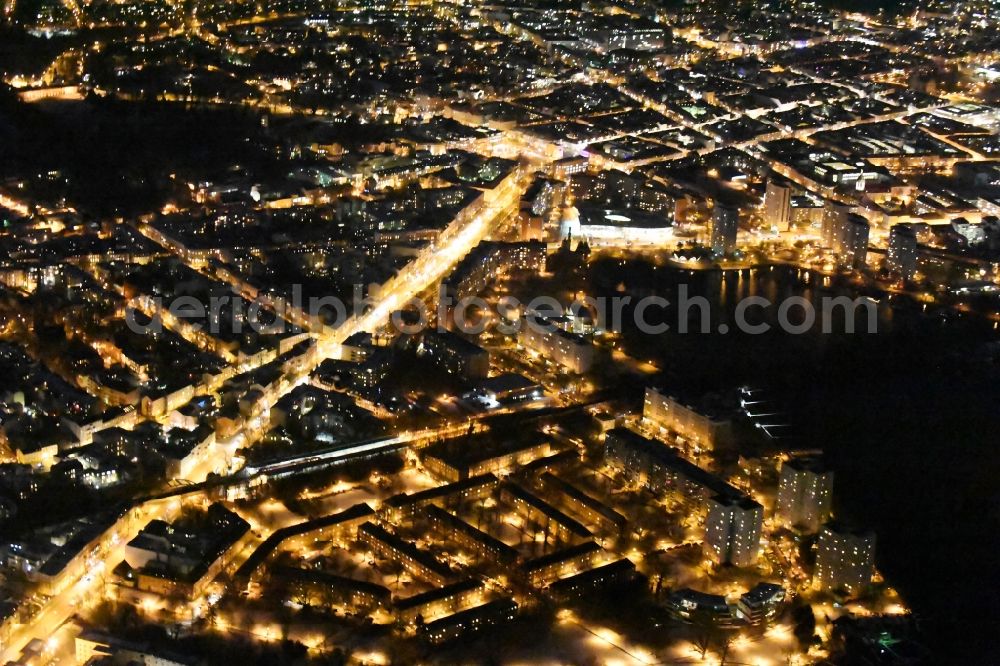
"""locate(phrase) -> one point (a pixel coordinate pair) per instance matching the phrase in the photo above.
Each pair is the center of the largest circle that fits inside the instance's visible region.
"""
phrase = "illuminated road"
(14, 205)
(429, 267)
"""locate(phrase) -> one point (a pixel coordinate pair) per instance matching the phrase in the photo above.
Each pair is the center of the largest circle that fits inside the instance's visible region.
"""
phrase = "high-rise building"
(854, 241)
(844, 558)
(834, 217)
(732, 529)
(725, 222)
(846, 234)
(804, 492)
(778, 205)
(903, 250)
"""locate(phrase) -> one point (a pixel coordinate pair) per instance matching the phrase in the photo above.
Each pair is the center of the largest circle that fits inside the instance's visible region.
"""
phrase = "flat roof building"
(687, 605)
(846, 233)
(544, 337)
(805, 490)
(704, 424)
(454, 354)
(845, 558)
(725, 225)
(778, 205)
(659, 467)
(762, 603)
(902, 257)
(732, 530)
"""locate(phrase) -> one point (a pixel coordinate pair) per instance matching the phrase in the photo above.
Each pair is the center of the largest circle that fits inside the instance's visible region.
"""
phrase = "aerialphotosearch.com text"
(472, 315)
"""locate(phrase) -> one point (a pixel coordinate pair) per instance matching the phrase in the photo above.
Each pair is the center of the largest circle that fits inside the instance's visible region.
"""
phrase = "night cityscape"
(555, 332)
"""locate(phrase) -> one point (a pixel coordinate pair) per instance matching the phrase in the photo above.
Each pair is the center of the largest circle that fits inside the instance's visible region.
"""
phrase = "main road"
(430, 266)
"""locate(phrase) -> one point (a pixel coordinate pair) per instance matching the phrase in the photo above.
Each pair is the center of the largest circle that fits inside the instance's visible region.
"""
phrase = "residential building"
(579, 585)
(177, 559)
(660, 468)
(470, 621)
(834, 216)
(404, 505)
(301, 535)
(440, 601)
(325, 589)
(854, 241)
(489, 262)
(902, 258)
(725, 224)
(549, 519)
(588, 508)
(471, 463)
(805, 490)
(846, 234)
(567, 166)
(471, 538)
(703, 423)
(418, 562)
(544, 337)
(185, 449)
(549, 568)
(845, 558)
(454, 354)
(778, 205)
(733, 529)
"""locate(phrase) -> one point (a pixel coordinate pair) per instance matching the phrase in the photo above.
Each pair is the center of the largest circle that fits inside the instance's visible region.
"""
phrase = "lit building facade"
(489, 262)
(732, 530)
(778, 205)
(805, 490)
(845, 559)
(603, 226)
(846, 234)
(902, 257)
(725, 224)
(761, 604)
(454, 354)
(665, 411)
(542, 336)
